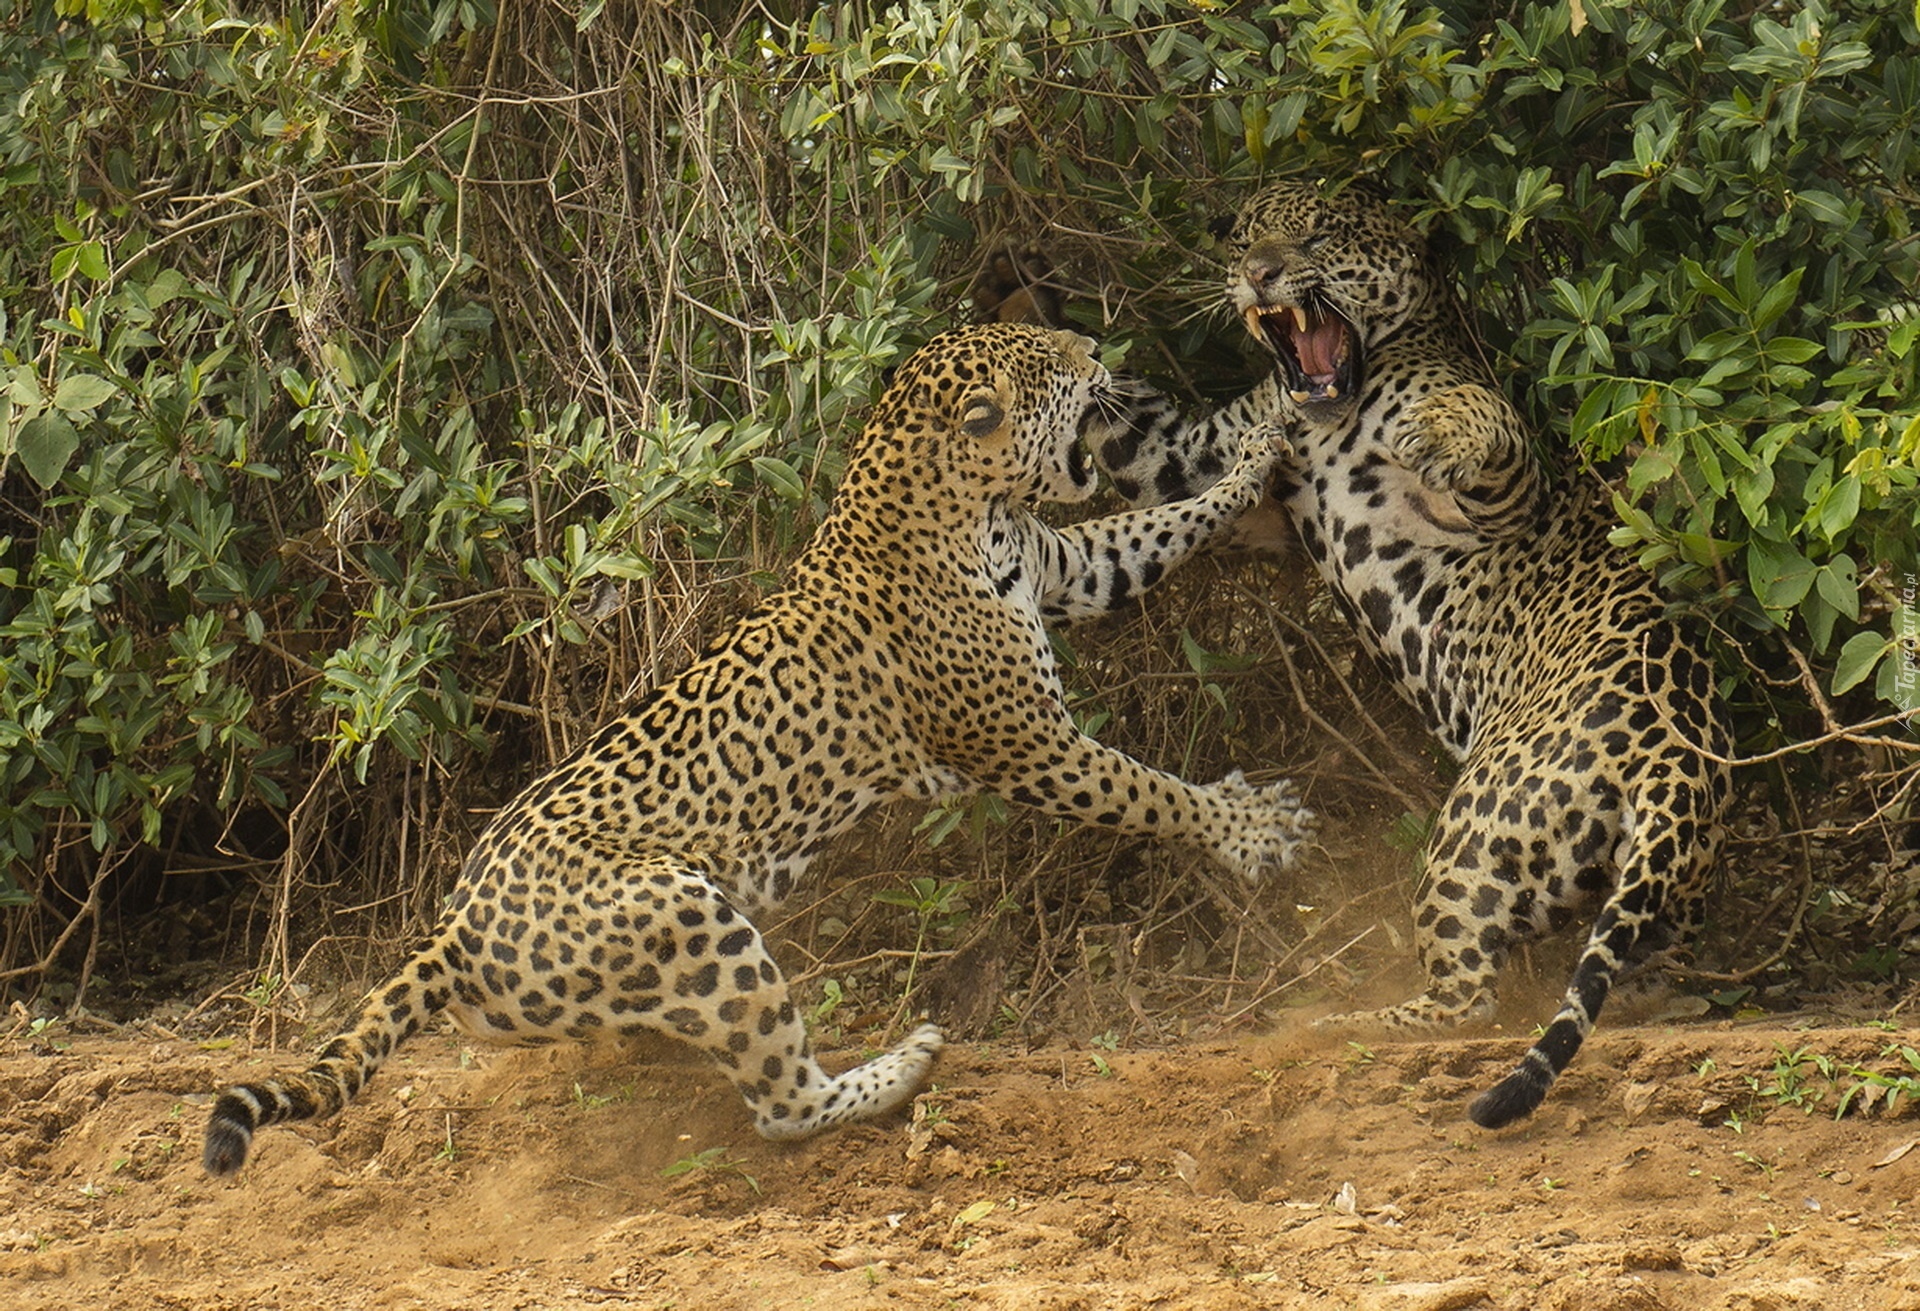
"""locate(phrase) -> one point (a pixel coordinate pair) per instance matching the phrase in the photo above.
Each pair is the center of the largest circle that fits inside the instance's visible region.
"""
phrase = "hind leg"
(719, 989)
(1657, 904)
(1499, 874)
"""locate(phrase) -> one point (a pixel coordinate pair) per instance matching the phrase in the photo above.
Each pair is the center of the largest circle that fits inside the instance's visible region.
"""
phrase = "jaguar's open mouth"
(1318, 350)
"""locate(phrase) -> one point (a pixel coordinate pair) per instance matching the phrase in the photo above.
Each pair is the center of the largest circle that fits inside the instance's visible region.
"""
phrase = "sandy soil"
(1687, 1166)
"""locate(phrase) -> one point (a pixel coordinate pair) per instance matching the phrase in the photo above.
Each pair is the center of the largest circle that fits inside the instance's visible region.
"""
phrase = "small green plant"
(1886, 1089)
(1100, 1066)
(1787, 1083)
(264, 990)
(939, 909)
(1107, 1042)
(976, 814)
(46, 1028)
(1205, 665)
(587, 1101)
(712, 1159)
(449, 1150)
(831, 996)
(1358, 1055)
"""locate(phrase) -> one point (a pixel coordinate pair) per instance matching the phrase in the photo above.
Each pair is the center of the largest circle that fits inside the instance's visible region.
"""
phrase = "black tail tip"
(228, 1138)
(1513, 1098)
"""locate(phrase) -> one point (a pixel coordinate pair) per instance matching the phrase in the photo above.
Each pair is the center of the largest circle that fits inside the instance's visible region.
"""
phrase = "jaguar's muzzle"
(1319, 351)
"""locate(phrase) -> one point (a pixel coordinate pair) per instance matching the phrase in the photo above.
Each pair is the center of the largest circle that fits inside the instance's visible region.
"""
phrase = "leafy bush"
(385, 385)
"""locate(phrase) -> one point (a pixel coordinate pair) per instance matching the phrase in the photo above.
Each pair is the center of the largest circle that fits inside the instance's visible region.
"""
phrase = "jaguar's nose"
(1261, 271)
(1266, 263)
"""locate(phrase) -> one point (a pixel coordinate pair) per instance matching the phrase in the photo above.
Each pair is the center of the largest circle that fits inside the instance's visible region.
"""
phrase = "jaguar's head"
(1013, 407)
(1319, 279)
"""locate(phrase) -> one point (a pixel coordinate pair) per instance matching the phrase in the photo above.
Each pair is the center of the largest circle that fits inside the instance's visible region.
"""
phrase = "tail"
(1655, 905)
(1521, 1092)
(390, 1015)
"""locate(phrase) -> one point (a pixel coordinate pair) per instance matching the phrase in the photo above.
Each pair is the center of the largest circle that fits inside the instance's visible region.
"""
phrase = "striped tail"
(1521, 1092)
(390, 1015)
(1631, 927)
(243, 1108)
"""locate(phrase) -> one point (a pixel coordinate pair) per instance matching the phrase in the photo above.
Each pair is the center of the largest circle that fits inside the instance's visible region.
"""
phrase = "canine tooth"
(1299, 397)
(1299, 317)
(1332, 392)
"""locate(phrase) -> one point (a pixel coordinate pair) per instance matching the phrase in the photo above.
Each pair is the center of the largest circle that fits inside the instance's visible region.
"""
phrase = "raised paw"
(1448, 437)
(1265, 444)
(1269, 825)
(1262, 448)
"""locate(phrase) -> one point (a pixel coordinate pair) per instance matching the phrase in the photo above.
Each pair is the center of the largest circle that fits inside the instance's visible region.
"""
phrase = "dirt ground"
(1209, 1149)
(1690, 1165)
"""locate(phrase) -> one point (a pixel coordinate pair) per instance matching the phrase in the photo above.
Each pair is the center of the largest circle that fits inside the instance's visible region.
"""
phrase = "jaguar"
(1585, 717)
(907, 657)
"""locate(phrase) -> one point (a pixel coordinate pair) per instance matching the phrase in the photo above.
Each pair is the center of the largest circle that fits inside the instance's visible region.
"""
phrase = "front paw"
(1263, 448)
(1268, 826)
(1446, 438)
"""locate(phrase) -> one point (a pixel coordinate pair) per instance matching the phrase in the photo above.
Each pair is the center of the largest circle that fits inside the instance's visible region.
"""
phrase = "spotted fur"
(1585, 719)
(907, 658)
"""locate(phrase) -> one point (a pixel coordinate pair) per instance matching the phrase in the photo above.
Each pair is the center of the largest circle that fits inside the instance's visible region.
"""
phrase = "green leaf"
(47, 442)
(624, 566)
(1839, 583)
(1820, 618)
(92, 261)
(780, 476)
(1823, 205)
(1899, 680)
(1777, 300)
(1840, 506)
(80, 393)
(1779, 574)
(1792, 350)
(166, 285)
(1858, 658)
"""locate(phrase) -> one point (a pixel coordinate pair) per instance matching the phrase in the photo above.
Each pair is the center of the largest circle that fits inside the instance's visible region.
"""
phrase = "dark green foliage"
(382, 382)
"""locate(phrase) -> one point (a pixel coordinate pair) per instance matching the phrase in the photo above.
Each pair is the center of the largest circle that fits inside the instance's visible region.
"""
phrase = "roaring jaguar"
(908, 657)
(1589, 731)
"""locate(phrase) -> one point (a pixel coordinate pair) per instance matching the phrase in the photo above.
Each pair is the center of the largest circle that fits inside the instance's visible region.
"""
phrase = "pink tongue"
(1319, 348)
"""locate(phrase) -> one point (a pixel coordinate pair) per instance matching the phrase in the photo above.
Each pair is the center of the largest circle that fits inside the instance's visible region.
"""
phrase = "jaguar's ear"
(982, 416)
